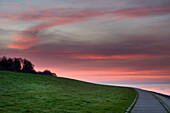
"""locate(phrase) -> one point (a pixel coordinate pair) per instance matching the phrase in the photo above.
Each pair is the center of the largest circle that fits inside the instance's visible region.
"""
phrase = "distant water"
(159, 88)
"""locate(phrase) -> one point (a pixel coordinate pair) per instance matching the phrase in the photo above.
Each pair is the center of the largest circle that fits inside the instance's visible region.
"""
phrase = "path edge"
(162, 102)
(133, 103)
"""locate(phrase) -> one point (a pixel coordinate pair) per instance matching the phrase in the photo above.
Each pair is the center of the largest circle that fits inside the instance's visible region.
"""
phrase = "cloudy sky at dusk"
(111, 41)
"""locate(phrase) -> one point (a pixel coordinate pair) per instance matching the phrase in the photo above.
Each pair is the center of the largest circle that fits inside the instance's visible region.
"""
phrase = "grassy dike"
(20, 92)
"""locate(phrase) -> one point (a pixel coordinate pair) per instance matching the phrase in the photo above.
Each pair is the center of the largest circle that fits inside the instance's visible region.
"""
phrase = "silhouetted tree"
(10, 64)
(20, 65)
(17, 64)
(48, 73)
(4, 63)
(28, 67)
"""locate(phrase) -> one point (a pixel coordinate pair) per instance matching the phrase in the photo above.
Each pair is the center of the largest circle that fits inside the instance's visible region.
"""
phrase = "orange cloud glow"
(130, 57)
(23, 42)
(114, 75)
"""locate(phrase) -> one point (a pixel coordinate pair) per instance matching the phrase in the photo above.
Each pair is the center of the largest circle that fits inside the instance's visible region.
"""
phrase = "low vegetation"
(22, 92)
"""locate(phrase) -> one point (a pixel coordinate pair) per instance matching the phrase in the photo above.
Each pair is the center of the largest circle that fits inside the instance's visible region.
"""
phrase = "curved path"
(164, 100)
(147, 103)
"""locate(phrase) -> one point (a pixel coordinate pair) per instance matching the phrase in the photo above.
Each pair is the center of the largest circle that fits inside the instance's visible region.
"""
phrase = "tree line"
(21, 65)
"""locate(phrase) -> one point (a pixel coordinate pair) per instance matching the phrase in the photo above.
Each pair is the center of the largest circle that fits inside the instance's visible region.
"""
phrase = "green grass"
(20, 92)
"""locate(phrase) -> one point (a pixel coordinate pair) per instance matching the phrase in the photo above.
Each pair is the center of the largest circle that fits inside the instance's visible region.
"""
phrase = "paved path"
(164, 100)
(147, 103)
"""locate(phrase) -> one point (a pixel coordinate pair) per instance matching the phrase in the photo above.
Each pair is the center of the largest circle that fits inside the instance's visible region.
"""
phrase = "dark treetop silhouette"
(20, 65)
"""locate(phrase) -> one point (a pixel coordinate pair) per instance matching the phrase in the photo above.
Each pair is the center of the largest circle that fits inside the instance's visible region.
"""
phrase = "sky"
(102, 41)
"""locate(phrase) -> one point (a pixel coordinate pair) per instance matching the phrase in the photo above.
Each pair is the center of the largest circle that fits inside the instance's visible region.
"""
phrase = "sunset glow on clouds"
(115, 41)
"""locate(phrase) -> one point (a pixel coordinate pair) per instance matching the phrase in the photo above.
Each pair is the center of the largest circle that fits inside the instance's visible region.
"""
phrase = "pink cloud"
(24, 42)
(48, 19)
(60, 16)
(143, 11)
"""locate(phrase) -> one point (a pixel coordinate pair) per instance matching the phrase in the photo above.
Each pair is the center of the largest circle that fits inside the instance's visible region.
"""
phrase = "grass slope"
(20, 92)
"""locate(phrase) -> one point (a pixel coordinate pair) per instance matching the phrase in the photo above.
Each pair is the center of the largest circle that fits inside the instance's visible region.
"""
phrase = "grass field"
(20, 92)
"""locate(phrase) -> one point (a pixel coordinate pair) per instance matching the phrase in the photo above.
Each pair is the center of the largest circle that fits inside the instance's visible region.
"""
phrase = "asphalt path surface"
(149, 102)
